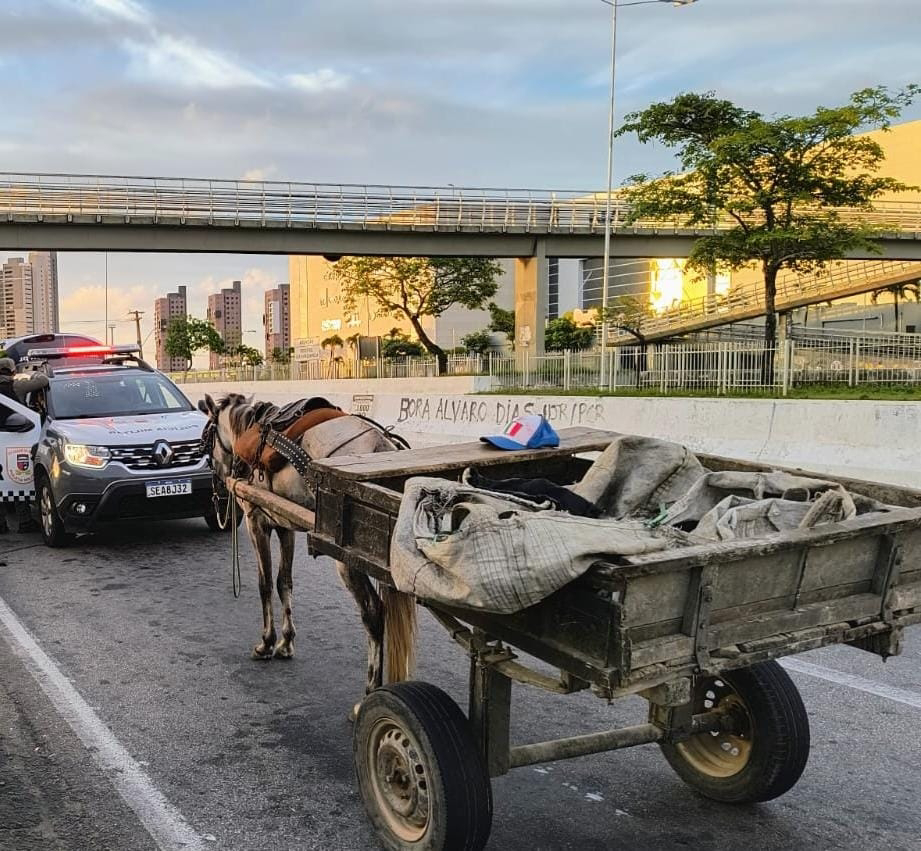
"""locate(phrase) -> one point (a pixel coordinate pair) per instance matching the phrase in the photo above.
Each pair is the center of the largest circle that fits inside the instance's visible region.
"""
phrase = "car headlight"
(86, 456)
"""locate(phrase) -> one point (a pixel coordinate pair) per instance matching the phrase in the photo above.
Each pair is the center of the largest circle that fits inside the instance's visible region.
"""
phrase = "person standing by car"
(18, 389)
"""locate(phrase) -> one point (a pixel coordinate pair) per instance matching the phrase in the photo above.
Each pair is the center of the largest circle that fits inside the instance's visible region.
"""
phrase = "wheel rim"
(718, 753)
(46, 509)
(399, 780)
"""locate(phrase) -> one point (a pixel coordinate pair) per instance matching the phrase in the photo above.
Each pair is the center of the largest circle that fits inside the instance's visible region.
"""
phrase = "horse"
(383, 608)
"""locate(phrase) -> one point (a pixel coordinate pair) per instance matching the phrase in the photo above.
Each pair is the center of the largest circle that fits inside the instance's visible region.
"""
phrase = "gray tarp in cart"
(470, 546)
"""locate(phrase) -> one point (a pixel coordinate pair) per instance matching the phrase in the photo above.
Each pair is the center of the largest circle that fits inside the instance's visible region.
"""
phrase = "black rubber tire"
(779, 739)
(457, 783)
(211, 520)
(51, 527)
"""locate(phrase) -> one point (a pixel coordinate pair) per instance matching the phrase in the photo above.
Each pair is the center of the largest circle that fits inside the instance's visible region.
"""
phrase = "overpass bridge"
(74, 212)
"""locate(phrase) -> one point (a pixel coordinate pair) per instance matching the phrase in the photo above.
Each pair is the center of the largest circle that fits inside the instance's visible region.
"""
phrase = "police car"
(110, 439)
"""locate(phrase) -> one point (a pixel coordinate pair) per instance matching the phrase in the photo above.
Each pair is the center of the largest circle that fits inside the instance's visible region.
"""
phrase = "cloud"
(126, 10)
(322, 80)
(259, 173)
(166, 58)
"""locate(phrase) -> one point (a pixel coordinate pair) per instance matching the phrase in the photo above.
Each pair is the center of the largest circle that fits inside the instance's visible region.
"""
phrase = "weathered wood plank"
(435, 459)
(295, 514)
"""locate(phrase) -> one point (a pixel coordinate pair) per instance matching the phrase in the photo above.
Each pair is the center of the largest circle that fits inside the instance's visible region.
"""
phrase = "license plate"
(172, 487)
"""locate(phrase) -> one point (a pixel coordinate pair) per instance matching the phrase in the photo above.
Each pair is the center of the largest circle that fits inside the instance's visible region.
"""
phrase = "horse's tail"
(400, 633)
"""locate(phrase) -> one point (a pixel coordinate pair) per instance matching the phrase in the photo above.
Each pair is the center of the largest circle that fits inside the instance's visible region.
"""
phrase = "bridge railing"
(125, 199)
(747, 300)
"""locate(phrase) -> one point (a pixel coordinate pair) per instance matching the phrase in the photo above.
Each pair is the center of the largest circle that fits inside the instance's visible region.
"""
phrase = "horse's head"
(227, 418)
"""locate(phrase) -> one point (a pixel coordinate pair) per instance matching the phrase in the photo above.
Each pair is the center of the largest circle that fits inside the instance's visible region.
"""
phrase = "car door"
(19, 432)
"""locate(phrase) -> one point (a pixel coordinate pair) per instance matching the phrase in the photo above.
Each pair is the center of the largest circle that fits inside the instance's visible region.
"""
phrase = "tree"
(899, 291)
(248, 355)
(778, 180)
(626, 313)
(502, 320)
(333, 342)
(563, 333)
(185, 337)
(396, 344)
(414, 287)
(280, 355)
(477, 342)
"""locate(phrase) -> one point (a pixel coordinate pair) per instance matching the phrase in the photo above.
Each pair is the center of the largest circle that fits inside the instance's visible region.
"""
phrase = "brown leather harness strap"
(252, 442)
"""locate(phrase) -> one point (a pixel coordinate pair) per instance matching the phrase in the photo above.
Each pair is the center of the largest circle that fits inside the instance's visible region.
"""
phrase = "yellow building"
(318, 310)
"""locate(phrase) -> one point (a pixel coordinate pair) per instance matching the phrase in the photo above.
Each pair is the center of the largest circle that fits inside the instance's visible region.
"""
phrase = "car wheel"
(52, 527)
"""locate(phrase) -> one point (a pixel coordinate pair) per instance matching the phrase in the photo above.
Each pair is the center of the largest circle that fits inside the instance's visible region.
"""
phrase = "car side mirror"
(16, 423)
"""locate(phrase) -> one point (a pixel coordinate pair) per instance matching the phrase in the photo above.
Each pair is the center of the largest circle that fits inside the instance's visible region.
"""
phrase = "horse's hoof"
(261, 653)
(284, 651)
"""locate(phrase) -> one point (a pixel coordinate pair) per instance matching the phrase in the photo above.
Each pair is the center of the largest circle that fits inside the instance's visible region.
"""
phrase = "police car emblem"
(19, 465)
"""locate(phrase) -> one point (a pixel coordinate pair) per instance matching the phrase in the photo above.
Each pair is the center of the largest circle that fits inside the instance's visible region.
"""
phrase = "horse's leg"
(259, 532)
(285, 647)
(372, 617)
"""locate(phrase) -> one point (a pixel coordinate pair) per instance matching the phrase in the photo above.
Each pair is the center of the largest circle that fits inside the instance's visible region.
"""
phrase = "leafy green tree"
(396, 344)
(185, 337)
(561, 334)
(280, 355)
(779, 180)
(415, 287)
(626, 313)
(899, 292)
(248, 355)
(477, 342)
(501, 320)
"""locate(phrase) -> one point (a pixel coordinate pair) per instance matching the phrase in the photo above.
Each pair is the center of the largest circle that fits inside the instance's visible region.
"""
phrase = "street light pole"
(605, 271)
(606, 262)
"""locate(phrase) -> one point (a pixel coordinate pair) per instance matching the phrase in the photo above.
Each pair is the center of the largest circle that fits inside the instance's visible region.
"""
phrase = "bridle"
(211, 436)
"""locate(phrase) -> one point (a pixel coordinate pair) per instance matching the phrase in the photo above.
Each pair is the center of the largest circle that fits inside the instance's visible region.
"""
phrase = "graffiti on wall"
(497, 411)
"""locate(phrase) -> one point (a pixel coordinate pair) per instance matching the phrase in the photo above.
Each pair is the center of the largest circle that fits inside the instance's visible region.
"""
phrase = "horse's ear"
(207, 406)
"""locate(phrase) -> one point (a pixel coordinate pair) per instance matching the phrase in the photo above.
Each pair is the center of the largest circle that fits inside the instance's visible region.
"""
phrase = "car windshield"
(113, 395)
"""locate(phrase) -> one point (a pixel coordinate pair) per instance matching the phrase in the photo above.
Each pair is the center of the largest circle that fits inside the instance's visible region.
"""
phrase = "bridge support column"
(532, 288)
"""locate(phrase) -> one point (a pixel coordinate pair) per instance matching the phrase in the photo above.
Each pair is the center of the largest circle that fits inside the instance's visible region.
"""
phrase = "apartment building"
(166, 309)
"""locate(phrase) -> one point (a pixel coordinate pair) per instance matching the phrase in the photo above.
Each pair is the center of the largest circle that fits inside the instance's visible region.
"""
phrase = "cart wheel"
(765, 755)
(421, 776)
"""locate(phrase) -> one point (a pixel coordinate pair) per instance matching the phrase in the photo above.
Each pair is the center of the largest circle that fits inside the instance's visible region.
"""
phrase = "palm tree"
(899, 291)
(332, 343)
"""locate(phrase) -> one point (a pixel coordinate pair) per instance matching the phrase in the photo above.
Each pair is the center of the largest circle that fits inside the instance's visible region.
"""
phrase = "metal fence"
(721, 368)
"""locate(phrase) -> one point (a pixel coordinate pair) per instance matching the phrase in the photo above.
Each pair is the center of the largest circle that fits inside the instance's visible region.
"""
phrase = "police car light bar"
(79, 351)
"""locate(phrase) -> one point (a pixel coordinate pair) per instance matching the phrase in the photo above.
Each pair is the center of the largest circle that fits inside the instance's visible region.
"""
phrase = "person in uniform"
(18, 387)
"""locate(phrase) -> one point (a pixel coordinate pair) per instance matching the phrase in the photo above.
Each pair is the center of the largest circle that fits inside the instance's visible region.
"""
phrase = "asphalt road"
(254, 756)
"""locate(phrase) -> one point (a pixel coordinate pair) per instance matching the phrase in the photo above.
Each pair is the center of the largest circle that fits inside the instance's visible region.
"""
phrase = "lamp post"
(605, 271)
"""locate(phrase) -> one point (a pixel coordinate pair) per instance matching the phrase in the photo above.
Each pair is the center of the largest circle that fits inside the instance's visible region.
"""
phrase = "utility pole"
(136, 316)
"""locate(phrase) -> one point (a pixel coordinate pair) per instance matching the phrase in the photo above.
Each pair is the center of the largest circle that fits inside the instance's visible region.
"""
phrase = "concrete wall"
(871, 440)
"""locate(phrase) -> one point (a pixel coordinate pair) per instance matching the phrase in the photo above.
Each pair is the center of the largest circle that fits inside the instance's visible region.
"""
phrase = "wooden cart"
(694, 631)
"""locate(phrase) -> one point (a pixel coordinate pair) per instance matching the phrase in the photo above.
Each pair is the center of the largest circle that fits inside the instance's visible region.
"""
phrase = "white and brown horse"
(230, 427)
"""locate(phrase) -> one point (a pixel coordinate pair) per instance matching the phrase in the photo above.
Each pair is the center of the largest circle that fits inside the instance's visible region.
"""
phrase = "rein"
(210, 436)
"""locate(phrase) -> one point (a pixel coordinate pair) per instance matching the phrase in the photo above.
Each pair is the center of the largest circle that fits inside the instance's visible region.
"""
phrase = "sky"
(501, 93)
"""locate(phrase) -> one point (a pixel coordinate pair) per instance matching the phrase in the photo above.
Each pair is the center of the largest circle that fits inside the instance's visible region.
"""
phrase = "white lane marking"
(163, 821)
(899, 695)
